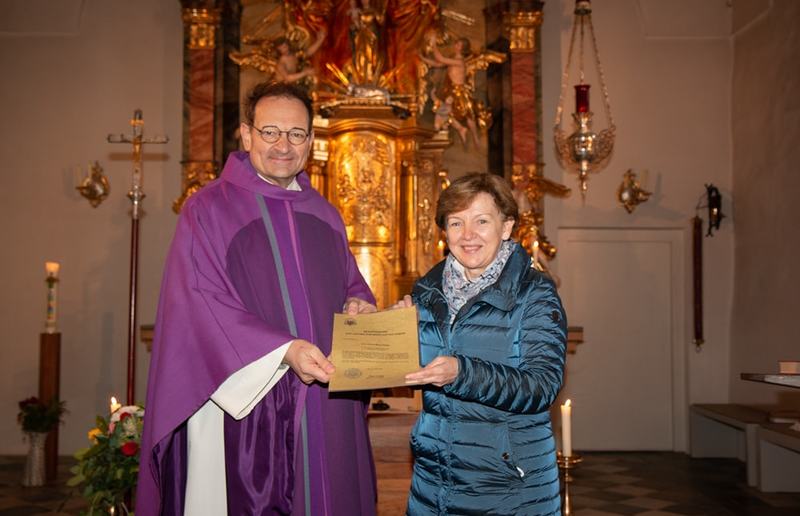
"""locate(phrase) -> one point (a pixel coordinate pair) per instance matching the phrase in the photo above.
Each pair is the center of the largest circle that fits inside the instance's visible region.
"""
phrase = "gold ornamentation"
(196, 174)
(316, 173)
(630, 193)
(378, 171)
(95, 186)
(530, 187)
(281, 56)
(521, 30)
(201, 23)
(365, 185)
(366, 27)
(425, 224)
(375, 264)
(454, 103)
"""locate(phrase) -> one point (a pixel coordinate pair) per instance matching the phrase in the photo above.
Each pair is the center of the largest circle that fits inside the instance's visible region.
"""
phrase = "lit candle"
(536, 254)
(114, 405)
(566, 429)
(582, 98)
(51, 268)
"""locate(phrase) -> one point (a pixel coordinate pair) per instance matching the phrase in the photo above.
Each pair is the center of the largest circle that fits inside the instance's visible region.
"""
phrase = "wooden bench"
(728, 431)
(779, 458)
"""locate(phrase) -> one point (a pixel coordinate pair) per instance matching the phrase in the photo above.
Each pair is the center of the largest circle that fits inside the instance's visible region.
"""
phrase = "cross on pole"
(136, 195)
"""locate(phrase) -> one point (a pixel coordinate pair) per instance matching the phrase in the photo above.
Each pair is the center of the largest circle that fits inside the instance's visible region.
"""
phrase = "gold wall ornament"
(95, 186)
(521, 30)
(196, 174)
(202, 23)
(382, 174)
(630, 193)
(583, 150)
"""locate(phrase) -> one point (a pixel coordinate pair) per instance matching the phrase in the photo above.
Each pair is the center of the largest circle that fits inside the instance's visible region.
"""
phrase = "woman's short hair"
(461, 192)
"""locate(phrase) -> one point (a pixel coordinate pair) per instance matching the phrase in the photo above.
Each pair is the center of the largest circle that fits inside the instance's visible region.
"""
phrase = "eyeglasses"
(271, 134)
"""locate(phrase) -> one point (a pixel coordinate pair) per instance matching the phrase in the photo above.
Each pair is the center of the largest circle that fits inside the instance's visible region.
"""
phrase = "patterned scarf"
(458, 289)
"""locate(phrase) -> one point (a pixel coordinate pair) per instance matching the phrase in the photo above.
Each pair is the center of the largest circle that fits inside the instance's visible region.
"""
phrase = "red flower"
(130, 448)
(33, 400)
(124, 416)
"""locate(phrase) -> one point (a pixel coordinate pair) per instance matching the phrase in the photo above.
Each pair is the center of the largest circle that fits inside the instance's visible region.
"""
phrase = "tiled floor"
(605, 484)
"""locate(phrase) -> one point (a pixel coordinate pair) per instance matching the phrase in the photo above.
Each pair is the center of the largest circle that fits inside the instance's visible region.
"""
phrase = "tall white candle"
(566, 429)
(52, 295)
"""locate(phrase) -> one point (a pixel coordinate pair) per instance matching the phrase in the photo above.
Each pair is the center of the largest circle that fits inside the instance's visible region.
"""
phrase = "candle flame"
(568, 403)
(113, 400)
(51, 268)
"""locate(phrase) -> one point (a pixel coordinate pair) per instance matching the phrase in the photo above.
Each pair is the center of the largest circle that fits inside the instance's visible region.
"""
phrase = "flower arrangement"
(107, 470)
(37, 416)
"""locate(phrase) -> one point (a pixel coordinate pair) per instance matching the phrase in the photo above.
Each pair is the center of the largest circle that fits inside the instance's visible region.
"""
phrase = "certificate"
(373, 351)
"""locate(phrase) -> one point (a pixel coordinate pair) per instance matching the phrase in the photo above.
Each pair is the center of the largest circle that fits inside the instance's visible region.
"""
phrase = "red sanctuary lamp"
(582, 98)
(583, 150)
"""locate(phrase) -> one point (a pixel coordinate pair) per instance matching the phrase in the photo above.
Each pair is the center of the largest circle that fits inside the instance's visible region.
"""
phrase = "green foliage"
(37, 416)
(107, 470)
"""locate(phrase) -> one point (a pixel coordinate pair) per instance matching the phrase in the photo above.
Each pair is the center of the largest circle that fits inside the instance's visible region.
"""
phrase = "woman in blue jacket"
(492, 340)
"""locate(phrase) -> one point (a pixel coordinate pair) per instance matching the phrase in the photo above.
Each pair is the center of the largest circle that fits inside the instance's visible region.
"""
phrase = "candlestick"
(114, 406)
(51, 268)
(582, 98)
(566, 429)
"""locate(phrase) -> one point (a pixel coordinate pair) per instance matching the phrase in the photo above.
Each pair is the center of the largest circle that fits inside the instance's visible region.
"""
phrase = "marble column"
(522, 28)
(199, 166)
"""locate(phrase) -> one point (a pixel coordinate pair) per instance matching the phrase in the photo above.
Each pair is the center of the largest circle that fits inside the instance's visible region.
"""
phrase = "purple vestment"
(221, 308)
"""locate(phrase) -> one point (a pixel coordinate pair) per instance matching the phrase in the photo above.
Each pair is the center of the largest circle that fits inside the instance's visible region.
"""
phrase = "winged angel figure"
(282, 57)
(454, 103)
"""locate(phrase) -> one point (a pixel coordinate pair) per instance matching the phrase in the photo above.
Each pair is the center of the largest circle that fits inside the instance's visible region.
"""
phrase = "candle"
(536, 254)
(51, 268)
(114, 405)
(582, 98)
(566, 429)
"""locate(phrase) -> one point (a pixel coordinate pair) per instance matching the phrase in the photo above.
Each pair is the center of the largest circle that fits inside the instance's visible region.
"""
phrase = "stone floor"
(605, 484)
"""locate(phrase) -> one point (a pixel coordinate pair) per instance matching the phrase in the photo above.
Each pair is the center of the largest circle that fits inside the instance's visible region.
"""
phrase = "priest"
(238, 417)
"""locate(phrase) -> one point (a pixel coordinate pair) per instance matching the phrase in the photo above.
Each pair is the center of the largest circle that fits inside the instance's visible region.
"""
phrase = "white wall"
(668, 70)
(766, 128)
(71, 74)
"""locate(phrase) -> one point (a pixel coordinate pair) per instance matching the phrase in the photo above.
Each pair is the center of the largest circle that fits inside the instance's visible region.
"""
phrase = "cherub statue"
(277, 58)
(457, 90)
(287, 68)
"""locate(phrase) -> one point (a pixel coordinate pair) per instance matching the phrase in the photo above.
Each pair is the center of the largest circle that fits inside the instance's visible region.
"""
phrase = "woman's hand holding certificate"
(374, 350)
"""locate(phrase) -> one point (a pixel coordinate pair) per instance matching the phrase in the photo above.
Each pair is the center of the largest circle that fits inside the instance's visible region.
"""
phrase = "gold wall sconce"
(95, 186)
(630, 193)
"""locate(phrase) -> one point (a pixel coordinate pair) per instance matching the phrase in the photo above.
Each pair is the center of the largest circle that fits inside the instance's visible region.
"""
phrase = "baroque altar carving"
(383, 173)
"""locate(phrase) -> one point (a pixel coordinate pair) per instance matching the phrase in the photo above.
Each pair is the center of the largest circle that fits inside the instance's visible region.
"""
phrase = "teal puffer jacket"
(484, 444)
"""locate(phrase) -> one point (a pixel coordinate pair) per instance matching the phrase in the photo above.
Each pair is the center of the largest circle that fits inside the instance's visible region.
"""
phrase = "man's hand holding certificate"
(374, 351)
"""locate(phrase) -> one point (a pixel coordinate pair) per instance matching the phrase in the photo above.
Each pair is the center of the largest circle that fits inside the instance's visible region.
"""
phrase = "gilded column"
(199, 167)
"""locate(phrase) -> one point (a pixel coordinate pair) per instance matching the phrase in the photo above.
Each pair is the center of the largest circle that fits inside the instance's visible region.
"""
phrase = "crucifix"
(136, 195)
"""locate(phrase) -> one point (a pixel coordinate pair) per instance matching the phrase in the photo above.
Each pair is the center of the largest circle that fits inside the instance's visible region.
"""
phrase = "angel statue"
(280, 59)
(454, 101)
